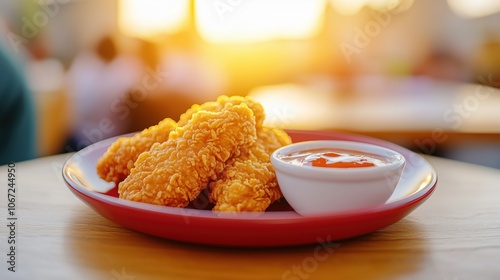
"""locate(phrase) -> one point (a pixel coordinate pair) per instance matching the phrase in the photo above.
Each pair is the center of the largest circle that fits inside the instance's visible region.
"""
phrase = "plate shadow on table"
(114, 251)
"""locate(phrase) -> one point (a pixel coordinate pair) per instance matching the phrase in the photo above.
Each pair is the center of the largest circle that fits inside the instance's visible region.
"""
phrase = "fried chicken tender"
(271, 139)
(115, 164)
(174, 172)
(248, 183)
(214, 106)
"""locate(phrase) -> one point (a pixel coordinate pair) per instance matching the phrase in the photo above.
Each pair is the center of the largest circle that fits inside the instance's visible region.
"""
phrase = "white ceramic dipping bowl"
(312, 190)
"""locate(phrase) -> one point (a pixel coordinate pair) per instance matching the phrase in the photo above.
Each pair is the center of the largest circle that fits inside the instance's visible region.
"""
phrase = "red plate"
(280, 226)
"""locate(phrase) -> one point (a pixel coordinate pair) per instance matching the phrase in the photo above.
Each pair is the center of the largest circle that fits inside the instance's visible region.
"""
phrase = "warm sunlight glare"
(352, 7)
(239, 21)
(148, 18)
(348, 7)
(474, 9)
(294, 106)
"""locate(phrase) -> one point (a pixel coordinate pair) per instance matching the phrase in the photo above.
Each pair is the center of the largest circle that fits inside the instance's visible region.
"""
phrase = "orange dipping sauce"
(334, 158)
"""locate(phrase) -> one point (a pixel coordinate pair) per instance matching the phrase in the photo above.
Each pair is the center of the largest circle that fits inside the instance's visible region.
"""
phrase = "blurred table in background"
(460, 121)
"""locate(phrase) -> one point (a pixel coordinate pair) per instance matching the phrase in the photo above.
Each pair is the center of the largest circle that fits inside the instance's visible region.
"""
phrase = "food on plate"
(174, 172)
(214, 106)
(115, 164)
(222, 145)
(248, 183)
(271, 139)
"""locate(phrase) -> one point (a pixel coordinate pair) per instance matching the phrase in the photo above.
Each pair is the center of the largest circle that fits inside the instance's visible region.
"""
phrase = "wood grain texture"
(454, 235)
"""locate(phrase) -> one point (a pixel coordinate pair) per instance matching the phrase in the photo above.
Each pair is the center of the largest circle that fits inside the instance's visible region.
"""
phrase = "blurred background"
(422, 74)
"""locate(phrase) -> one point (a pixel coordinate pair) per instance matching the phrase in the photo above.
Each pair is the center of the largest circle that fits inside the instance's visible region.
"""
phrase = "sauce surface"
(334, 158)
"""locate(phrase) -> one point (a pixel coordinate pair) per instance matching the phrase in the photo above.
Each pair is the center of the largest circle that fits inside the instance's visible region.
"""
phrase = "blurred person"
(180, 76)
(100, 81)
(17, 113)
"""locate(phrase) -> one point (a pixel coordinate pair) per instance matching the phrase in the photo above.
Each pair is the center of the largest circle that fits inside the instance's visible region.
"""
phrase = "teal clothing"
(17, 113)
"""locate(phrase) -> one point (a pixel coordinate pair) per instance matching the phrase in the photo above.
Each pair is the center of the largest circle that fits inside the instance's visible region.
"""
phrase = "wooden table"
(453, 235)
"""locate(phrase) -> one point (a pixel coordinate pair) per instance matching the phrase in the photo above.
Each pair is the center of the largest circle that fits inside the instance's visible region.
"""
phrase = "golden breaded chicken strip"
(248, 183)
(115, 164)
(214, 106)
(271, 139)
(174, 172)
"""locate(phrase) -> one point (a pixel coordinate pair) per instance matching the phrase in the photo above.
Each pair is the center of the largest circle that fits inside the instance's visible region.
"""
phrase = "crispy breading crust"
(248, 183)
(214, 106)
(174, 172)
(115, 164)
(271, 139)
